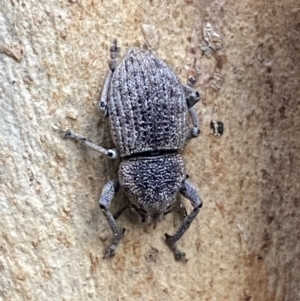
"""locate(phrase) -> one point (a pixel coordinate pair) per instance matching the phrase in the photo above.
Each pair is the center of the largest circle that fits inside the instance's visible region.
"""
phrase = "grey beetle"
(148, 111)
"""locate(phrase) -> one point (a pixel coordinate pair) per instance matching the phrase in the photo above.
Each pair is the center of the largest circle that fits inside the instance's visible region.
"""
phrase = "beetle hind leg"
(195, 130)
(114, 52)
(192, 97)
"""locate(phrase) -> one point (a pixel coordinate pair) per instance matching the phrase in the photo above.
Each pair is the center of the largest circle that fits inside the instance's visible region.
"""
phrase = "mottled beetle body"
(148, 110)
(151, 184)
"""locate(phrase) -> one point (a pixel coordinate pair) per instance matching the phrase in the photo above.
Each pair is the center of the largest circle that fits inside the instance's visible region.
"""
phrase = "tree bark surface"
(243, 245)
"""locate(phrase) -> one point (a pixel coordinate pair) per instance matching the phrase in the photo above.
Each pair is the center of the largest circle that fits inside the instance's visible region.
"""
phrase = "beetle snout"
(156, 217)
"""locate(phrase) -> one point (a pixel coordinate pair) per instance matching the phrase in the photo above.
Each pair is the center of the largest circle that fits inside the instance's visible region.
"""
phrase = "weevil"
(148, 111)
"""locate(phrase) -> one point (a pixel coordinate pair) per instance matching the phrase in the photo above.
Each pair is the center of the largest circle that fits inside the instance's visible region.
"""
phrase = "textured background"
(244, 244)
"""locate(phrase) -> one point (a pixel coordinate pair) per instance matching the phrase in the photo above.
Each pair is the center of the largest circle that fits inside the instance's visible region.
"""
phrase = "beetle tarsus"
(171, 242)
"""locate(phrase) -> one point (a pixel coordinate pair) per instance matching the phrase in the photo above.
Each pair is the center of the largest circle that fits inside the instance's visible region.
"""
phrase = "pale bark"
(244, 244)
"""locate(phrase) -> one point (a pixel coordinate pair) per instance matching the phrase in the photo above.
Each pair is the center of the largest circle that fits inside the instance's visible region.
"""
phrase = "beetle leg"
(194, 131)
(189, 191)
(114, 51)
(104, 93)
(111, 153)
(119, 212)
(179, 207)
(108, 192)
(191, 96)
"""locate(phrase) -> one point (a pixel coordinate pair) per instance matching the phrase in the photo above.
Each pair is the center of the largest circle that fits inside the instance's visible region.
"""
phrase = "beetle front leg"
(189, 191)
(108, 192)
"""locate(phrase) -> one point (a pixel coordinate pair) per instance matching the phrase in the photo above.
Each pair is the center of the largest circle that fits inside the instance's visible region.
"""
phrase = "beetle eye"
(169, 207)
(141, 211)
